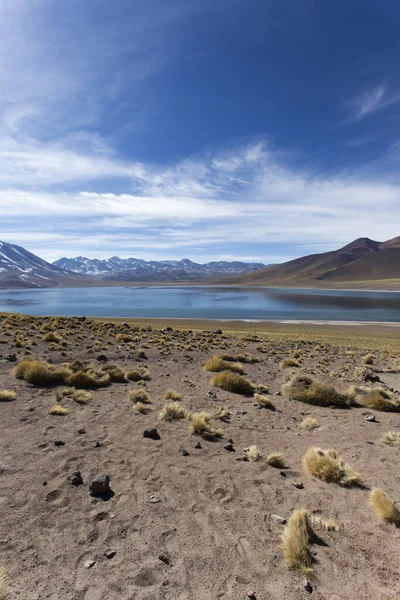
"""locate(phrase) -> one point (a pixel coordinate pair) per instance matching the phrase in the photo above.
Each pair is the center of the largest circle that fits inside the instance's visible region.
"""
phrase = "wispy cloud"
(372, 100)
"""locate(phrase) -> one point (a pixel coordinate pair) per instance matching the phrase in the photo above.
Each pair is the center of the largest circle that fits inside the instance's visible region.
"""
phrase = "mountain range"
(135, 269)
(361, 263)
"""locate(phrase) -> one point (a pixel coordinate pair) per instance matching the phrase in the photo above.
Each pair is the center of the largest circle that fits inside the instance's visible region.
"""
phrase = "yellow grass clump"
(392, 438)
(289, 362)
(173, 412)
(115, 372)
(304, 388)
(79, 396)
(276, 459)
(222, 413)
(139, 374)
(264, 402)
(217, 364)
(308, 424)
(200, 425)
(328, 524)
(51, 337)
(384, 507)
(57, 409)
(368, 359)
(295, 542)
(374, 398)
(232, 382)
(89, 379)
(40, 373)
(172, 395)
(124, 337)
(241, 358)
(253, 453)
(7, 395)
(328, 466)
(139, 396)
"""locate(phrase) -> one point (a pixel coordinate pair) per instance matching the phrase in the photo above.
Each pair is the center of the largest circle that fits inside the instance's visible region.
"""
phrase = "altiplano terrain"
(209, 505)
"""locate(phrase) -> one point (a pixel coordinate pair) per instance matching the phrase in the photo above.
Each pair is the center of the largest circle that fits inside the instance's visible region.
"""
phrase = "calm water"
(205, 302)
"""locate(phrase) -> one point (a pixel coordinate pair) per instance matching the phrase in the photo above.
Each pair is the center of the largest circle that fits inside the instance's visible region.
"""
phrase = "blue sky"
(208, 129)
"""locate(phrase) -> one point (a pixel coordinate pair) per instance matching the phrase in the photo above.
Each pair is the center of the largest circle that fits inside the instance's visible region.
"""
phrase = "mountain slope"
(21, 268)
(134, 269)
(361, 261)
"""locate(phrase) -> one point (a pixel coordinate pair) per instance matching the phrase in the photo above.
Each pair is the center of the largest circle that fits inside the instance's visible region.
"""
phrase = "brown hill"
(360, 263)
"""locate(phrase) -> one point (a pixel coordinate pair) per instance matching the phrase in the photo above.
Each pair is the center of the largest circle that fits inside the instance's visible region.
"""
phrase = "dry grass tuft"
(241, 358)
(79, 396)
(222, 413)
(139, 396)
(142, 407)
(124, 337)
(308, 423)
(264, 402)
(392, 438)
(384, 507)
(57, 409)
(89, 379)
(368, 359)
(327, 524)
(374, 398)
(3, 577)
(200, 425)
(304, 388)
(115, 372)
(295, 542)
(289, 362)
(328, 466)
(216, 364)
(139, 374)
(7, 396)
(232, 382)
(51, 337)
(173, 412)
(40, 373)
(253, 453)
(277, 460)
(172, 395)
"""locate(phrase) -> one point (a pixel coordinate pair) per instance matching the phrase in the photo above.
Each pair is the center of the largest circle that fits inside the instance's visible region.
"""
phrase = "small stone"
(11, 357)
(370, 418)
(307, 586)
(110, 554)
(165, 559)
(184, 453)
(370, 442)
(59, 443)
(75, 478)
(154, 499)
(370, 377)
(251, 595)
(99, 484)
(282, 473)
(211, 394)
(218, 331)
(278, 519)
(198, 446)
(229, 447)
(102, 358)
(89, 564)
(151, 434)
(30, 385)
(243, 457)
(97, 445)
(230, 441)
(298, 485)
(81, 431)
(241, 413)
(278, 394)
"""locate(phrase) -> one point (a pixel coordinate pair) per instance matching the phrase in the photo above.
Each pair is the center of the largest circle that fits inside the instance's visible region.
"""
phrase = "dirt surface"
(195, 526)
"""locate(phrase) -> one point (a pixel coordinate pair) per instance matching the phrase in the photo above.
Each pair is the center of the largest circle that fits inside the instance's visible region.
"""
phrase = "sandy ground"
(194, 527)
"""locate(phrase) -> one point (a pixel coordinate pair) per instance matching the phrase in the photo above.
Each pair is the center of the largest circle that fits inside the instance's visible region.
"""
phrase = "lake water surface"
(205, 302)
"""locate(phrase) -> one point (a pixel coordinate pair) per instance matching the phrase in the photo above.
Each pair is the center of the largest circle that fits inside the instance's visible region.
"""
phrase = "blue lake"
(206, 302)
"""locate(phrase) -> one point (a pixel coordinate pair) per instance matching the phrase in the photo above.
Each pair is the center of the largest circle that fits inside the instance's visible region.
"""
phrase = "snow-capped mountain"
(135, 269)
(20, 268)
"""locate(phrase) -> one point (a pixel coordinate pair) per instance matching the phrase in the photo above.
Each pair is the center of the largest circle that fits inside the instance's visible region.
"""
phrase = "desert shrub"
(58, 410)
(79, 396)
(200, 425)
(172, 395)
(232, 382)
(222, 413)
(115, 372)
(392, 438)
(217, 364)
(89, 379)
(51, 337)
(253, 453)
(295, 542)
(289, 362)
(241, 358)
(368, 359)
(308, 423)
(173, 412)
(40, 373)
(328, 524)
(264, 402)
(304, 388)
(277, 460)
(7, 395)
(328, 466)
(139, 374)
(124, 337)
(139, 396)
(374, 398)
(384, 507)
(142, 407)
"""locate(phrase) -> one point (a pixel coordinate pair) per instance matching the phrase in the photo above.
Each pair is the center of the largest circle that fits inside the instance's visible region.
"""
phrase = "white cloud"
(372, 100)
